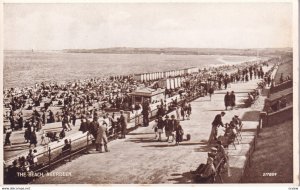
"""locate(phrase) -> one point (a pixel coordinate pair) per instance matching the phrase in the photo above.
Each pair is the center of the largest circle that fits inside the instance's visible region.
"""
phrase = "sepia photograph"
(150, 93)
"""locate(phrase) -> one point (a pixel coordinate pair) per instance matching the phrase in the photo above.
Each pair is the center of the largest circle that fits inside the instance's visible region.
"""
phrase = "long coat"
(227, 100)
(93, 128)
(179, 133)
(101, 135)
(232, 99)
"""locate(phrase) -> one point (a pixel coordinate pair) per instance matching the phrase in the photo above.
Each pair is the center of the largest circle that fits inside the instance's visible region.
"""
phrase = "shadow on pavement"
(139, 134)
(172, 145)
(186, 177)
(141, 140)
(251, 116)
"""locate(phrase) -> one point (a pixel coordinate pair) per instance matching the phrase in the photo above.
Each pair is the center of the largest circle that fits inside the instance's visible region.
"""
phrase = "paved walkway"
(140, 159)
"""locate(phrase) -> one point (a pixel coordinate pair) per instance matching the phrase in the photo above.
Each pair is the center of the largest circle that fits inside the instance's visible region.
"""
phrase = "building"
(140, 95)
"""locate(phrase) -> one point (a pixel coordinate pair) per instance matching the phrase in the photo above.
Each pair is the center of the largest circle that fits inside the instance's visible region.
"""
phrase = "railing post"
(49, 159)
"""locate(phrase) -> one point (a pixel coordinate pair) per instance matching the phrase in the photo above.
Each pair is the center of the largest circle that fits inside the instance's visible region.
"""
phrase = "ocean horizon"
(26, 68)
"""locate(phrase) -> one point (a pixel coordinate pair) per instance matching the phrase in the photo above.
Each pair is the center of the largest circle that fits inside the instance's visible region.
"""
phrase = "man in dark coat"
(145, 113)
(123, 123)
(94, 125)
(215, 124)
(227, 100)
(232, 99)
(20, 122)
(167, 127)
(170, 127)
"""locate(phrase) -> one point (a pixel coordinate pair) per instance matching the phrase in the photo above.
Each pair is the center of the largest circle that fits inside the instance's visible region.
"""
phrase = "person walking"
(232, 99)
(214, 130)
(227, 100)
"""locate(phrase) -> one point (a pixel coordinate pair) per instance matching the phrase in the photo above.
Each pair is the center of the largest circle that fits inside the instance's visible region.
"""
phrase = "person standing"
(177, 113)
(51, 117)
(94, 126)
(172, 126)
(178, 133)
(189, 111)
(20, 122)
(123, 123)
(145, 113)
(182, 112)
(12, 123)
(210, 91)
(7, 136)
(167, 127)
(227, 100)
(160, 127)
(33, 139)
(44, 118)
(215, 124)
(101, 139)
(84, 125)
(232, 99)
(73, 118)
(155, 128)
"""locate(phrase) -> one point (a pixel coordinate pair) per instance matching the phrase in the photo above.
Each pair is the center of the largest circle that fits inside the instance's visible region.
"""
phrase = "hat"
(172, 116)
(167, 116)
(236, 116)
(223, 112)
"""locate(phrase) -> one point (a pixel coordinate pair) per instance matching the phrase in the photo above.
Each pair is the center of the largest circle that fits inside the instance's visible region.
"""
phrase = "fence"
(52, 155)
(281, 86)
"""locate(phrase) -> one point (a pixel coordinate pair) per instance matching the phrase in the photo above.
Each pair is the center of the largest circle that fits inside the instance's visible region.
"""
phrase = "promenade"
(140, 159)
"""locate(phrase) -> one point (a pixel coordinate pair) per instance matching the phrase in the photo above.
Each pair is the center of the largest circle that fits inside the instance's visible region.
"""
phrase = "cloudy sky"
(199, 25)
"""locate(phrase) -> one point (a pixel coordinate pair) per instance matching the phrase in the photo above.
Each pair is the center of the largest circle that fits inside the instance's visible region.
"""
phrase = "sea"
(26, 68)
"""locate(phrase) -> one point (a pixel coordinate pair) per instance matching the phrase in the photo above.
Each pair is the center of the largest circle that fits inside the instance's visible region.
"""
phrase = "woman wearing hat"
(178, 133)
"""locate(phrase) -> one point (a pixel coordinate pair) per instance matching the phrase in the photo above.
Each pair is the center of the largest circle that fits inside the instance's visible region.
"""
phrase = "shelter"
(140, 95)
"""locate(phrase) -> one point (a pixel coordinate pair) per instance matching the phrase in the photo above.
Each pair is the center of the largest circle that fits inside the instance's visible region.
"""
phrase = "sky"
(188, 25)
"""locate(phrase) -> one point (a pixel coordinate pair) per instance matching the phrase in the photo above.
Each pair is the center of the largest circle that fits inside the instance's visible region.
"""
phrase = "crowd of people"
(87, 100)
